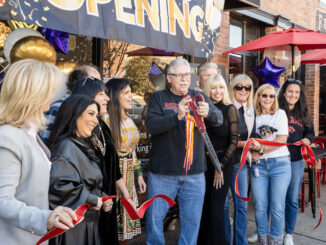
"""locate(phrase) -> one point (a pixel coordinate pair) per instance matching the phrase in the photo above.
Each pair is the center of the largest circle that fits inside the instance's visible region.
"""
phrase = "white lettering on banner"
(123, 16)
(162, 14)
(152, 13)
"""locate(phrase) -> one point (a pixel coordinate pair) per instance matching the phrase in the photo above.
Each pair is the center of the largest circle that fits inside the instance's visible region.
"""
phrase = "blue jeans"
(269, 189)
(190, 191)
(240, 220)
(291, 203)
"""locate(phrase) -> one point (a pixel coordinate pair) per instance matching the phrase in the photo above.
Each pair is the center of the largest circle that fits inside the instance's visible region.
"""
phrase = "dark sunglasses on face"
(265, 96)
(240, 87)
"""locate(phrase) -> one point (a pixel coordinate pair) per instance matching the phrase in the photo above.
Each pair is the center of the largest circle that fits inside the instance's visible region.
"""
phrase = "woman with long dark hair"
(224, 139)
(126, 136)
(293, 100)
(76, 177)
(112, 179)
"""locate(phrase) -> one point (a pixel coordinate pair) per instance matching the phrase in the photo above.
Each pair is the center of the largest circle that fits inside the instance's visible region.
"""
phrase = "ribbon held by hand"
(307, 154)
(81, 210)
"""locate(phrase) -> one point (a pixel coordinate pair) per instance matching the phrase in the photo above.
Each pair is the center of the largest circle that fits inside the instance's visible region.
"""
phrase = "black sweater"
(168, 134)
(297, 132)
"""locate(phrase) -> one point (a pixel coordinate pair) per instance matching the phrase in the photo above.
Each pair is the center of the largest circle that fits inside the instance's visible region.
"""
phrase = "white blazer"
(24, 185)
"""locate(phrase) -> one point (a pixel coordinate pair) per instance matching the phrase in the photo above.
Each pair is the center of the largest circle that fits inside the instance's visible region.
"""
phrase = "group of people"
(88, 147)
(232, 116)
(87, 151)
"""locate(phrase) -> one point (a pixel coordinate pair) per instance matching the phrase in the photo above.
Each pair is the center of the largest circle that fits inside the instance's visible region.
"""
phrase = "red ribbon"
(80, 212)
(307, 154)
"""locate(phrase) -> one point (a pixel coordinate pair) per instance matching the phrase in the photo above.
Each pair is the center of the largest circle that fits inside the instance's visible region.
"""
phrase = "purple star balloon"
(269, 73)
(58, 39)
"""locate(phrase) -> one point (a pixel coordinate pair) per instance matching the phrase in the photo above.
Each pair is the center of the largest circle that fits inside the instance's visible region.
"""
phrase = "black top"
(76, 179)
(109, 164)
(168, 134)
(242, 134)
(75, 176)
(225, 137)
(297, 132)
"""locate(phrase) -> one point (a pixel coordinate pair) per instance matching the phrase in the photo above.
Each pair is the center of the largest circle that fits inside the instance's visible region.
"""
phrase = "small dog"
(266, 131)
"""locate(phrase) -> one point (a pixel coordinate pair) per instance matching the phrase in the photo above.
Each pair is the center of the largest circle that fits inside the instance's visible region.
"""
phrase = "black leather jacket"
(75, 176)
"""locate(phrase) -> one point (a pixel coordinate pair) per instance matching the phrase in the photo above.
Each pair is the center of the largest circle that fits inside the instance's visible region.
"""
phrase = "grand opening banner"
(185, 26)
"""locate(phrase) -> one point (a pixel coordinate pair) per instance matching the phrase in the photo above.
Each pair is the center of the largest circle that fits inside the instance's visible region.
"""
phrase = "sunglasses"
(291, 81)
(265, 96)
(240, 87)
(86, 79)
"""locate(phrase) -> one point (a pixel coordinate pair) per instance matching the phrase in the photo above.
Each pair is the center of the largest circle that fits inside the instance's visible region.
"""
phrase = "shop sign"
(184, 26)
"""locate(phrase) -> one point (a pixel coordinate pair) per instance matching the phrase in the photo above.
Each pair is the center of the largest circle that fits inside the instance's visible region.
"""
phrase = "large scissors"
(202, 129)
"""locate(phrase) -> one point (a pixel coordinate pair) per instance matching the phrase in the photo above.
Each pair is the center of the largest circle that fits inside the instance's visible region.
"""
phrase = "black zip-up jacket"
(168, 134)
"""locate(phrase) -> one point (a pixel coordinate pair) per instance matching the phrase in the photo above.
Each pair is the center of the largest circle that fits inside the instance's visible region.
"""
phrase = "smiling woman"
(271, 176)
(293, 100)
(76, 177)
(126, 137)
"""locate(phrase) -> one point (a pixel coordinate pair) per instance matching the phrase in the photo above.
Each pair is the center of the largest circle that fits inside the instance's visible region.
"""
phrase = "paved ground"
(303, 233)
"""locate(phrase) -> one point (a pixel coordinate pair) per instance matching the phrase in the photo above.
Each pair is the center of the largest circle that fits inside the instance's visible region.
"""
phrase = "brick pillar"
(222, 44)
(312, 87)
(269, 30)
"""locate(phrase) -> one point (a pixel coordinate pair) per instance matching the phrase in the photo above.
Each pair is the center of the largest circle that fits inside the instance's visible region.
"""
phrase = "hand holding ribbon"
(81, 210)
(306, 152)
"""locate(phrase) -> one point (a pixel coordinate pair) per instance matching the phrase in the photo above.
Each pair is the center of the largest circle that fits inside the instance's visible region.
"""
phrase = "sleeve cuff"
(92, 200)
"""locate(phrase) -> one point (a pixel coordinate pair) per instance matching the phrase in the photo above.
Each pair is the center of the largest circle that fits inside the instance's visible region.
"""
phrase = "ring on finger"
(57, 218)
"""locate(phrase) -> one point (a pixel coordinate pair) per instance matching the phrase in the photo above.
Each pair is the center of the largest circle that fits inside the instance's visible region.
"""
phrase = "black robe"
(76, 179)
(111, 173)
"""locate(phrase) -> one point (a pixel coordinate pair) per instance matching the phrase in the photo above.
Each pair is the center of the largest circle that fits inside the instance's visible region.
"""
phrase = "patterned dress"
(130, 169)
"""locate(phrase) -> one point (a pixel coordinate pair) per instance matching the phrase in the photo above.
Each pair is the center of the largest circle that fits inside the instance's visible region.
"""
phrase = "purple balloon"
(154, 69)
(268, 73)
(58, 39)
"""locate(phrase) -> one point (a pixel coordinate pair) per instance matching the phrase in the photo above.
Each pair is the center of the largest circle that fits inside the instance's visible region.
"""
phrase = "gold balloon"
(33, 48)
(66, 66)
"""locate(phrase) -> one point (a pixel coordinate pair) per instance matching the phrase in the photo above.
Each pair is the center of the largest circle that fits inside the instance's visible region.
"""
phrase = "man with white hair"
(166, 121)
(204, 71)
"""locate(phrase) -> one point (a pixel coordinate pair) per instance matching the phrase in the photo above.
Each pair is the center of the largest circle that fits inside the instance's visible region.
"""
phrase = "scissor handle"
(198, 119)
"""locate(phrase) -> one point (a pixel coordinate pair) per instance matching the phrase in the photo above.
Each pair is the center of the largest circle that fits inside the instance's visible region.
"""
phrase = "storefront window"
(242, 32)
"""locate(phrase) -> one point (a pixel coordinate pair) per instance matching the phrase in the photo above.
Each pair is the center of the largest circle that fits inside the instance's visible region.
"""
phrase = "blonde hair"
(25, 89)
(261, 90)
(239, 79)
(217, 79)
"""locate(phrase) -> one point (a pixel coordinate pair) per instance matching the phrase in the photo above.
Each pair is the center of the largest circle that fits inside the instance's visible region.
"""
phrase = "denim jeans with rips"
(269, 192)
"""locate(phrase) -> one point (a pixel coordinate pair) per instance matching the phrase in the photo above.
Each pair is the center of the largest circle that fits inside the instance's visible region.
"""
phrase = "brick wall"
(301, 12)
(222, 44)
(312, 86)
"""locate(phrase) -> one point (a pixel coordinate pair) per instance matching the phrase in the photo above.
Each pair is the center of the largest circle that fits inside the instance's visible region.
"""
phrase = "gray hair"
(205, 66)
(179, 61)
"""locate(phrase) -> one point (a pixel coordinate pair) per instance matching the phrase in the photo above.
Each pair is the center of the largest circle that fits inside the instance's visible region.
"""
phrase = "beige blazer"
(24, 184)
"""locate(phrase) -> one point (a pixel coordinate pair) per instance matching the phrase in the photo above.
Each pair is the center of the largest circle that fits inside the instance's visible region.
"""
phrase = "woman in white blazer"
(26, 93)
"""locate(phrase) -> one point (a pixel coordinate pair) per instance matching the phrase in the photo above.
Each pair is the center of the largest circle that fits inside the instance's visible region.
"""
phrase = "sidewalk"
(303, 233)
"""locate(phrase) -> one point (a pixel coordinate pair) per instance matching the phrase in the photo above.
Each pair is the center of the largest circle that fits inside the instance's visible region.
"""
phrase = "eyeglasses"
(181, 75)
(240, 87)
(265, 96)
(291, 80)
